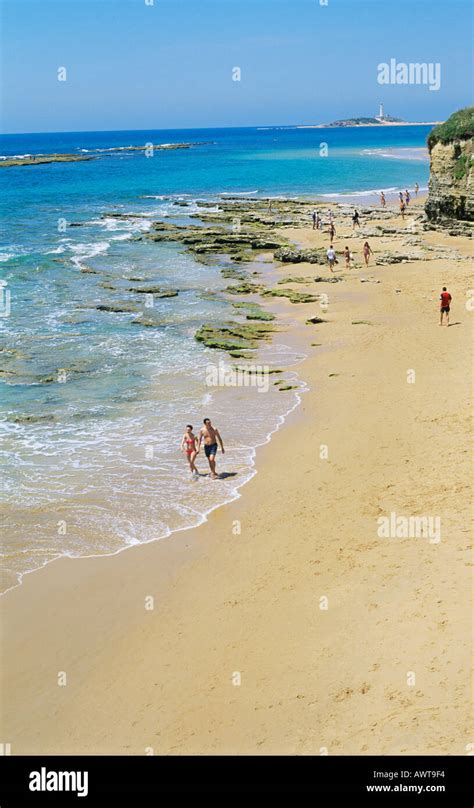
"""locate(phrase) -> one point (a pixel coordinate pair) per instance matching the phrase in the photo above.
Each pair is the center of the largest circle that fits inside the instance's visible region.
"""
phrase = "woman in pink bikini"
(367, 253)
(188, 445)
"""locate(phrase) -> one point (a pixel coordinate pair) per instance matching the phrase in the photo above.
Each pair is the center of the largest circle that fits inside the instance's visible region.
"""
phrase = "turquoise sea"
(94, 404)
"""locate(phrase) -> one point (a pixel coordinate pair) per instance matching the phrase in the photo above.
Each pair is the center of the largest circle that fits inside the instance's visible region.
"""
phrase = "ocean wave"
(400, 153)
(82, 252)
(368, 192)
(121, 237)
(237, 193)
(15, 156)
(128, 532)
(56, 251)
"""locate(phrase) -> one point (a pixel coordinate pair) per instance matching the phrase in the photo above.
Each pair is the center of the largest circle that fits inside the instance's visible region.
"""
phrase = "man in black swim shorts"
(445, 305)
(211, 437)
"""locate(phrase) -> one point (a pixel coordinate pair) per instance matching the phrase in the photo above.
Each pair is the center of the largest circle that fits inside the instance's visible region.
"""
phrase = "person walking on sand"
(188, 445)
(445, 305)
(210, 435)
(407, 197)
(401, 196)
(314, 217)
(383, 201)
(417, 188)
(331, 217)
(367, 253)
(331, 256)
(355, 220)
(332, 231)
(347, 257)
(318, 221)
(402, 209)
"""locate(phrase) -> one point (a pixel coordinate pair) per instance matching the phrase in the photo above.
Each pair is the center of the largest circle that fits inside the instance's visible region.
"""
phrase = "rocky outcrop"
(451, 193)
(42, 159)
(290, 255)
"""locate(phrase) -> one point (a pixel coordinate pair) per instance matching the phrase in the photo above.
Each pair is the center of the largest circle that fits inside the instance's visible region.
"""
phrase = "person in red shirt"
(445, 305)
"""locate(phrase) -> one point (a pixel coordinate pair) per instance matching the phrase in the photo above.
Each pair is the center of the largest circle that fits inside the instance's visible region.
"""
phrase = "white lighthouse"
(381, 114)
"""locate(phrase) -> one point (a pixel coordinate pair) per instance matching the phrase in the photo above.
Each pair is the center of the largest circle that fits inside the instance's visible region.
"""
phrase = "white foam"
(57, 251)
(82, 252)
(400, 153)
(237, 193)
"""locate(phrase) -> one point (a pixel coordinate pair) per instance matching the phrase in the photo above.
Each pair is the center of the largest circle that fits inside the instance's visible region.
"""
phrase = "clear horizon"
(191, 129)
(129, 66)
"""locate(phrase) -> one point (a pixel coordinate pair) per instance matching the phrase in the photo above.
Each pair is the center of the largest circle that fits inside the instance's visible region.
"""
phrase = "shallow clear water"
(94, 404)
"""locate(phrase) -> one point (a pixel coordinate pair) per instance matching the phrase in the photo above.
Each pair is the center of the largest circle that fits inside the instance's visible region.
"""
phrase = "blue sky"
(169, 65)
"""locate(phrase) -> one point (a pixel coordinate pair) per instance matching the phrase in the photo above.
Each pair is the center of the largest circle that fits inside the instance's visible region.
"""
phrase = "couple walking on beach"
(211, 437)
(348, 256)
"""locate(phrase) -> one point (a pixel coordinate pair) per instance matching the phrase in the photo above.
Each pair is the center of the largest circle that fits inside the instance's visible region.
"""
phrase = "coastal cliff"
(451, 145)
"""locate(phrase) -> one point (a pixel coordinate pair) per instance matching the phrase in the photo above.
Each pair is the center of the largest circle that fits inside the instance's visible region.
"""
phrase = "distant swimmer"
(367, 253)
(211, 437)
(445, 305)
(331, 256)
(188, 445)
(417, 188)
(407, 197)
(383, 201)
(332, 231)
(355, 220)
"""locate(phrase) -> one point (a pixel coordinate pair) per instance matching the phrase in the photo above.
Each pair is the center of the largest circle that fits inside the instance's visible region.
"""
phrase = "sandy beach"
(285, 624)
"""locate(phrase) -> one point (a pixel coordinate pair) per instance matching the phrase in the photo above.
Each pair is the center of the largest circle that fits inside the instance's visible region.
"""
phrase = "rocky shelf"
(42, 159)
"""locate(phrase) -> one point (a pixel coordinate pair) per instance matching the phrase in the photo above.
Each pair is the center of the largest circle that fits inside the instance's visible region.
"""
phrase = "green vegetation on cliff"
(459, 126)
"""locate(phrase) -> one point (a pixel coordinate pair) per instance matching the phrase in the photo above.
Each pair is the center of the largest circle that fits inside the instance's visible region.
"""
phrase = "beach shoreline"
(284, 624)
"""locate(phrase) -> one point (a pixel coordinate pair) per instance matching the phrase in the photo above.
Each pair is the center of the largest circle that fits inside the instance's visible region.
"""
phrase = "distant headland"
(382, 119)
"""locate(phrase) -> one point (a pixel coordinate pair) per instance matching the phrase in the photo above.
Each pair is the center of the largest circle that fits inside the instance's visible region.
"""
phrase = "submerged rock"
(253, 311)
(233, 336)
(245, 288)
(156, 291)
(118, 308)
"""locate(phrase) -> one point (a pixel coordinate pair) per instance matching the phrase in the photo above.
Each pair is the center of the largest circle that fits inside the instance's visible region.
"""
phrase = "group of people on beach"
(348, 256)
(404, 199)
(318, 222)
(331, 252)
(209, 434)
(191, 446)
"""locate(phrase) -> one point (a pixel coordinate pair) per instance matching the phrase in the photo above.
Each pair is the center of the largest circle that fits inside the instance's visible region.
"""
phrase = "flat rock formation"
(41, 159)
